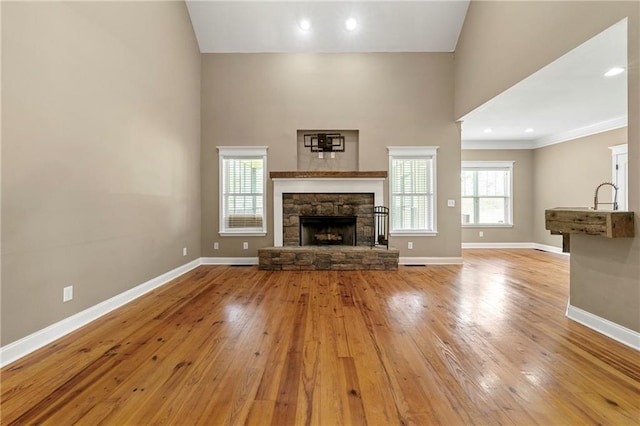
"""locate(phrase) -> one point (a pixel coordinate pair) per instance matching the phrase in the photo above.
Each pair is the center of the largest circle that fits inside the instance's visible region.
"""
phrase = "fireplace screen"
(328, 230)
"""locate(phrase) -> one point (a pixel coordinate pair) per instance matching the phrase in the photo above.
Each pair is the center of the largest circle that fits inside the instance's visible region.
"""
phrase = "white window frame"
(491, 165)
(233, 152)
(414, 152)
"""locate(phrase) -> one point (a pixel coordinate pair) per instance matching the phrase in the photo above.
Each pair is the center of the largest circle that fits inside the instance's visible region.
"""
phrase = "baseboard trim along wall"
(430, 261)
(552, 249)
(229, 260)
(616, 332)
(40, 338)
(497, 245)
(536, 246)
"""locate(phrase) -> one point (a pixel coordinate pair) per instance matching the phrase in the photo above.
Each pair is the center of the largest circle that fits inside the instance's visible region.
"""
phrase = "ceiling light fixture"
(488, 130)
(529, 130)
(305, 25)
(614, 71)
(351, 24)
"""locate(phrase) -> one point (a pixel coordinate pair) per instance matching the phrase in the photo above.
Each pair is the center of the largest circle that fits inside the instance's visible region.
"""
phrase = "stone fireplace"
(332, 218)
(324, 221)
(298, 194)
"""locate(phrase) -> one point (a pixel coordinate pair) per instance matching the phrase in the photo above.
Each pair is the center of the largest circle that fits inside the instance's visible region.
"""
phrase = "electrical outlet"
(333, 155)
(245, 245)
(481, 234)
(321, 155)
(216, 246)
(451, 203)
(410, 245)
(184, 251)
(67, 293)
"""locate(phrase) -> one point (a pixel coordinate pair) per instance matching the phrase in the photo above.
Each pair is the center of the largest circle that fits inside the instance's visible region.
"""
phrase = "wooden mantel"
(605, 223)
(327, 174)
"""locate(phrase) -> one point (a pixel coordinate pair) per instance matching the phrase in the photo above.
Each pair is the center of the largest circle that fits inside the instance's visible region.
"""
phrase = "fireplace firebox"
(328, 230)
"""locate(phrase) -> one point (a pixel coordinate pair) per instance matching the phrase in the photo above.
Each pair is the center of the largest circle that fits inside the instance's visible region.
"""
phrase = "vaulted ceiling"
(568, 98)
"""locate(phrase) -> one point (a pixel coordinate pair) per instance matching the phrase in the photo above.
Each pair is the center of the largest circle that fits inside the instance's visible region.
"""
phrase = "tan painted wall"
(101, 145)
(392, 99)
(521, 232)
(503, 42)
(567, 174)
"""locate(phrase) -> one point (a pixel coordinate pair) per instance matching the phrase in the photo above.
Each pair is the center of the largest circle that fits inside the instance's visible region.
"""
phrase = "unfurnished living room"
(317, 212)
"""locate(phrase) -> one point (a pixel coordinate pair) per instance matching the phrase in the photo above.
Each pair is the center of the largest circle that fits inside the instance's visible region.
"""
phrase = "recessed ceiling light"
(488, 130)
(351, 24)
(614, 71)
(305, 25)
(529, 130)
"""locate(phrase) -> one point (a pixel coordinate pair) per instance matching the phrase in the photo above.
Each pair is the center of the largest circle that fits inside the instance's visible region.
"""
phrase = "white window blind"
(242, 190)
(412, 189)
(487, 193)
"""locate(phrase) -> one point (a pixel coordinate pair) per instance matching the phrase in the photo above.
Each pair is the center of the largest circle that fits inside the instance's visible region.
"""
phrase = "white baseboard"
(40, 338)
(430, 261)
(543, 247)
(551, 249)
(611, 329)
(497, 245)
(229, 260)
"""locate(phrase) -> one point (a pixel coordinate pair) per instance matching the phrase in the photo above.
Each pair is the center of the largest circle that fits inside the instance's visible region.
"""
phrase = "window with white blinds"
(412, 193)
(487, 198)
(242, 190)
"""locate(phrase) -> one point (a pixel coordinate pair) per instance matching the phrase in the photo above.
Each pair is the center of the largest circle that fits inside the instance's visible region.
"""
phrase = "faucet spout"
(615, 196)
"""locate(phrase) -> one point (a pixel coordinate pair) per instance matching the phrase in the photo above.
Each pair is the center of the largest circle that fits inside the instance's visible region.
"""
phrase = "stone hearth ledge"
(328, 258)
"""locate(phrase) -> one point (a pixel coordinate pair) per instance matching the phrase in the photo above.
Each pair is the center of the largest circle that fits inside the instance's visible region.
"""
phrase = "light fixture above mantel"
(324, 142)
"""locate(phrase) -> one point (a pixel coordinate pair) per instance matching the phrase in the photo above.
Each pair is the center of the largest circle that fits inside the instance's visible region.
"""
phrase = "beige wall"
(391, 99)
(567, 174)
(101, 145)
(503, 42)
(521, 231)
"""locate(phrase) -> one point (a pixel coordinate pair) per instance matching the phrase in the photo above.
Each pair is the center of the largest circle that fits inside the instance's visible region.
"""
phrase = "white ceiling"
(272, 26)
(568, 98)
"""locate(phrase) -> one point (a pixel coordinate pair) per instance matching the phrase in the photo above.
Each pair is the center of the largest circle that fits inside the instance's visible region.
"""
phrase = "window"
(412, 190)
(242, 190)
(487, 196)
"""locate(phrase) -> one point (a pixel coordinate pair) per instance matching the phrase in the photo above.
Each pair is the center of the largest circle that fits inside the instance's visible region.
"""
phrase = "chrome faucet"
(615, 196)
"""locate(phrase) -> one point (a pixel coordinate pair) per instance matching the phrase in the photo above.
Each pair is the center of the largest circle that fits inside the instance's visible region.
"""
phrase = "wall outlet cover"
(67, 293)
(245, 245)
(216, 246)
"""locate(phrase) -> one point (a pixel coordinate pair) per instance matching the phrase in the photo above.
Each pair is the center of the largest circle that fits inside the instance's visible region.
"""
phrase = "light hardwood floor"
(482, 343)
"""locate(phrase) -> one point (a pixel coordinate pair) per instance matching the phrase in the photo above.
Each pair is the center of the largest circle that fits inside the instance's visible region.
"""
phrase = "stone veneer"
(335, 258)
(331, 204)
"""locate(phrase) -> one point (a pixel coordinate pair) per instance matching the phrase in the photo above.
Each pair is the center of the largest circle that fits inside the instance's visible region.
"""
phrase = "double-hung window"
(412, 190)
(487, 193)
(242, 190)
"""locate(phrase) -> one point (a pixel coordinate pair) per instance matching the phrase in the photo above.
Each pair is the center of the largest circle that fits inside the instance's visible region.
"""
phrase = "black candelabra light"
(324, 142)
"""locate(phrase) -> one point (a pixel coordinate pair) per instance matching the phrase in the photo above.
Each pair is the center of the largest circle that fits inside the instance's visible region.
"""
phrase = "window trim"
(241, 152)
(491, 165)
(414, 152)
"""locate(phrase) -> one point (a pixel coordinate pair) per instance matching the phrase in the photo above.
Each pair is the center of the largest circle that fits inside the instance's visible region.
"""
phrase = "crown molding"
(508, 144)
(592, 129)
(556, 138)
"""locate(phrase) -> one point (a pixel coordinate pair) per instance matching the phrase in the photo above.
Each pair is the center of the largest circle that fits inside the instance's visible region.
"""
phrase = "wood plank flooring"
(486, 342)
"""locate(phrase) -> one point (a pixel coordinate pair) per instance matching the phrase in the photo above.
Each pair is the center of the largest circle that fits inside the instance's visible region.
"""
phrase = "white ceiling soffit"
(567, 99)
(273, 26)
